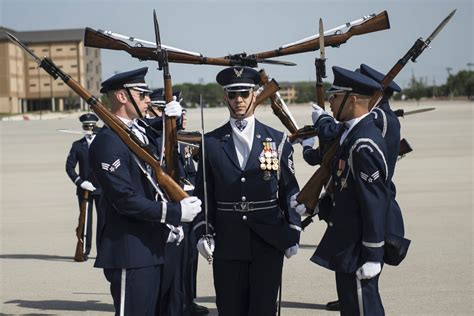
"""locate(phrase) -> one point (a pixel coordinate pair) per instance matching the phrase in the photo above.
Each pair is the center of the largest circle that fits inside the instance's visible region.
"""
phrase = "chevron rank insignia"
(111, 168)
(374, 176)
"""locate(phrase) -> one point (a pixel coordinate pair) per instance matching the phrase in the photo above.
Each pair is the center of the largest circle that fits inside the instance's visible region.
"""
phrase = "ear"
(121, 96)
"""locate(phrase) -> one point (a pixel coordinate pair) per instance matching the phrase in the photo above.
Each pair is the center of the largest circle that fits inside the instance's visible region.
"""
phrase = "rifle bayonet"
(424, 44)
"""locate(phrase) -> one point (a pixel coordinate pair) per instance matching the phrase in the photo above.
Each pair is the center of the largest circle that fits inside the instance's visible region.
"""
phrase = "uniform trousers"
(358, 297)
(249, 287)
(135, 291)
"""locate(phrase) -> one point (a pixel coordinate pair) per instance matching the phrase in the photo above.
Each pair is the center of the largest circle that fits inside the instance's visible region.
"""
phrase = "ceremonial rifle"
(102, 39)
(170, 137)
(143, 151)
(320, 65)
(279, 107)
(403, 113)
(309, 194)
(80, 229)
(367, 24)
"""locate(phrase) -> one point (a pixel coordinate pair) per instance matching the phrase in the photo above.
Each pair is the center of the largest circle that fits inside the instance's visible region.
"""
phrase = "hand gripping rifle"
(109, 40)
(81, 227)
(170, 137)
(143, 151)
(310, 193)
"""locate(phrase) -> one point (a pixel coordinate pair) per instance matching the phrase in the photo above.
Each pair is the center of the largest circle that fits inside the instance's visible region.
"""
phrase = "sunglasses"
(142, 94)
(233, 94)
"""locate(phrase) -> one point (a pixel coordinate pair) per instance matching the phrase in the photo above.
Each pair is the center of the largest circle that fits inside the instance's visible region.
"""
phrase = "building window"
(32, 68)
(59, 49)
(46, 85)
(72, 48)
(44, 50)
(33, 85)
(60, 83)
(73, 66)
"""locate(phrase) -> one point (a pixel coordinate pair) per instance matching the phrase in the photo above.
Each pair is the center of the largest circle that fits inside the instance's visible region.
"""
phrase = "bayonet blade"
(440, 27)
(157, 32)
(417, 111)
(24, 47)
(322, 49)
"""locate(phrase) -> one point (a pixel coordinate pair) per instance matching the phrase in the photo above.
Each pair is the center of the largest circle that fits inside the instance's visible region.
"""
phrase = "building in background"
(288, 92)
(24, 87)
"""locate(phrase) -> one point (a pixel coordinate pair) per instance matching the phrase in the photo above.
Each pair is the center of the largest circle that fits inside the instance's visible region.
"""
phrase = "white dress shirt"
(243, 140)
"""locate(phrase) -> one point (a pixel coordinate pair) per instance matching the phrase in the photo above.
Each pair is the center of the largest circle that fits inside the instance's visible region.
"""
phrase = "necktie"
(139, 132)
(241, 124)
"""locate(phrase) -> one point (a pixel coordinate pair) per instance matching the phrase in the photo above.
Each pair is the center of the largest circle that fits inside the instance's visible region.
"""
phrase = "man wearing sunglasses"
(249, 179)
(132, 238)
(353, 244)
(85, 179)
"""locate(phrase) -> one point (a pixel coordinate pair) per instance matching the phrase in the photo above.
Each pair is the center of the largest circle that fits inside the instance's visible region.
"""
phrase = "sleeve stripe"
(373, 244)
(295, 227)
(370, 141)
(164, 210)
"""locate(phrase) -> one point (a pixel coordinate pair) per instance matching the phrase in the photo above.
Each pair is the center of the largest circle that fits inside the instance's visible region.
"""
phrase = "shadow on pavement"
(61, 305)
(284, 304)
(305, 246)
(39, 257)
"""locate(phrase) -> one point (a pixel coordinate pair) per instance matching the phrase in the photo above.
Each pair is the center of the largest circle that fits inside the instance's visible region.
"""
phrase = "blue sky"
(216, 28)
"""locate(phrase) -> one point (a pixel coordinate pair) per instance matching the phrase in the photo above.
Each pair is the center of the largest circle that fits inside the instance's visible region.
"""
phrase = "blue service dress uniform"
(387, 121)
(250, 216)
(79, 155)
(356, 221)
(132, 239)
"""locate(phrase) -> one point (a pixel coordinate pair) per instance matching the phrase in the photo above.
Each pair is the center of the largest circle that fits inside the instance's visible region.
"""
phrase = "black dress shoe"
(199, 310)
(333, 306)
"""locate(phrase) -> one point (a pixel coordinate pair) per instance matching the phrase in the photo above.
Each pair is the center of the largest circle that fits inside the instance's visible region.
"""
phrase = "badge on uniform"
(268, 159)
(341, 165)
(111, 168)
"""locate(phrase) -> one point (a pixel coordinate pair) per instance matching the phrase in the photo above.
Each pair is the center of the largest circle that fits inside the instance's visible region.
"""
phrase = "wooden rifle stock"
(143, 151)
(306, 131)
(276, 106)
(377, 23)
(80, 229)
(269, 89)
(309, 194)
(97, 39)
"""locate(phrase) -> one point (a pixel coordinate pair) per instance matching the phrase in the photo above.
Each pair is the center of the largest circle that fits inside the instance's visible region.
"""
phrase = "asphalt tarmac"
(38, 217)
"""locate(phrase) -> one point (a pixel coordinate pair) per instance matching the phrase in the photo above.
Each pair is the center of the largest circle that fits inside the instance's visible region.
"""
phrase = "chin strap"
(132, 100)
(343, 103)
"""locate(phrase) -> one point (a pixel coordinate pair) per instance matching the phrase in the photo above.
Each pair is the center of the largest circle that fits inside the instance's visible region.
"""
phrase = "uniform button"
(244, 199)
(242, 179)
(330, 224)
(244, 218)
(334, 204)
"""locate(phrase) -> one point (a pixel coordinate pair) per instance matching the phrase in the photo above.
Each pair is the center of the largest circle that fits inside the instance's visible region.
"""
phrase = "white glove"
(190, 207)
(206, 246)
(317, 111)
(299, 208)
(173, 108)
(176, 234)
(290, 252)
(86, 185)
(309, 142)
(368, 270)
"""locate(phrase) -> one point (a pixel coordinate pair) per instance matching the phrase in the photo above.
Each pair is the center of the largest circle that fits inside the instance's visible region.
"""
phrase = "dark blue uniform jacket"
(279, 225)
(360, 201)
(79, 154)
(132, 235)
